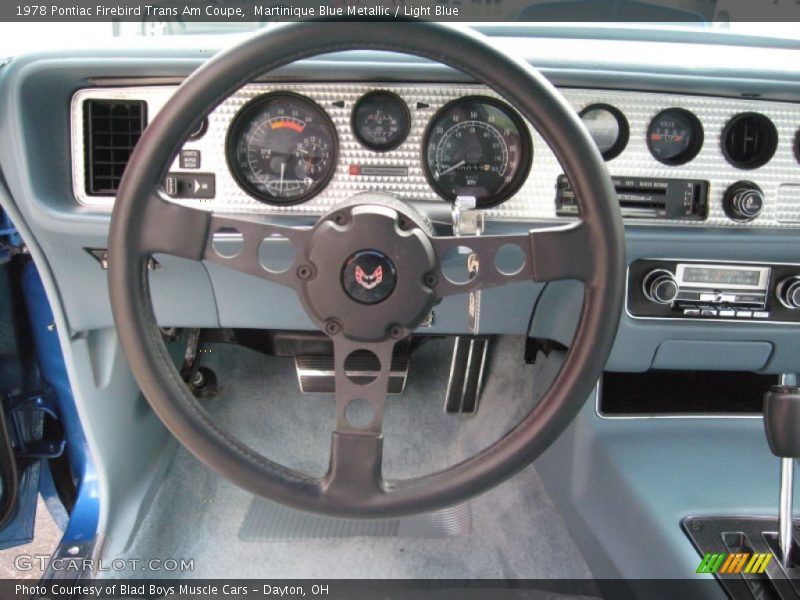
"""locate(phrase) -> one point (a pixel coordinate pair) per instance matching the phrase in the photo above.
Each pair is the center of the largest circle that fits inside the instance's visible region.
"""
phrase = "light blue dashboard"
(39, 161)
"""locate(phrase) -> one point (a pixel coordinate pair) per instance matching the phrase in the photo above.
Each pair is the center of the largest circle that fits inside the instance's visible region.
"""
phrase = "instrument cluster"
(282, 147)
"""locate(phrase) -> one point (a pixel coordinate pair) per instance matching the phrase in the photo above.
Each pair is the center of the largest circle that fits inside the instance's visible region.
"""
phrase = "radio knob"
(660, 287)
(788, 292)
(743, 201)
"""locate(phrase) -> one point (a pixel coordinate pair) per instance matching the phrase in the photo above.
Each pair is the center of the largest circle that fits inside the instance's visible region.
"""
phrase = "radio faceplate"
(711, 290)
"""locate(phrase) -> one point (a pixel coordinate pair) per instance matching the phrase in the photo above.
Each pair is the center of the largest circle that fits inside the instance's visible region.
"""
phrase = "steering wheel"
(590, 250)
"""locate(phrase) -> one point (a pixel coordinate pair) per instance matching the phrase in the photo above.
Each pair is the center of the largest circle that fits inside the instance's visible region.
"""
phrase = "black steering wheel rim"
(516, 81)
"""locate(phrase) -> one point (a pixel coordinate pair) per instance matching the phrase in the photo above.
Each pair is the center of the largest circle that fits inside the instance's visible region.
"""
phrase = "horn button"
(369, 276)
(368, 273)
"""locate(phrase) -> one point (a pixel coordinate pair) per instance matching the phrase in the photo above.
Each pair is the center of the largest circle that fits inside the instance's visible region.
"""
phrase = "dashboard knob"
(660, 287)
(743, 201)
(788, 292)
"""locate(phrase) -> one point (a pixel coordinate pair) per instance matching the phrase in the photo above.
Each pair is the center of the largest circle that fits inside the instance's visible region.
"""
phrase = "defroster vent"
(112, 129)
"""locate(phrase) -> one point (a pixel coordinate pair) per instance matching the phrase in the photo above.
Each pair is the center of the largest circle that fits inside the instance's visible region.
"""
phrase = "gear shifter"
(782, 425)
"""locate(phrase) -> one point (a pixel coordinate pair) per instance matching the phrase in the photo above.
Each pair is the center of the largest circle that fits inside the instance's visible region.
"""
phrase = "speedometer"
(477, 146)
(281, 148)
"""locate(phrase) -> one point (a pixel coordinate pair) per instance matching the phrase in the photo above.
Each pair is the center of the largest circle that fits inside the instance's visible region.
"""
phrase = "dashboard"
(300, 148)
(64, 193)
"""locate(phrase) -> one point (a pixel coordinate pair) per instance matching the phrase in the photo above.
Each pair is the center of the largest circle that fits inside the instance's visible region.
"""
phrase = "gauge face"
(608, 128)
(477, 146)
(381, 120)
(281, 148)
(674, 136)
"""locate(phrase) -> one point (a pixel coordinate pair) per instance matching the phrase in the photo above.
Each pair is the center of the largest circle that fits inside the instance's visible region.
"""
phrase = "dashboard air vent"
(749, 140)
(112, 128)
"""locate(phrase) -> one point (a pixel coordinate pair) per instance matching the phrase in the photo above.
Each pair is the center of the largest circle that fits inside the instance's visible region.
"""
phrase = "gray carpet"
(267, 521)
(516, 530)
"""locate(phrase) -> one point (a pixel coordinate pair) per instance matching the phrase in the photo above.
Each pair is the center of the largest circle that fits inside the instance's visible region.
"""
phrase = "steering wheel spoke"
(468, 264)
(564, 252)
(362, 374)
(170, 228)
(257, 247)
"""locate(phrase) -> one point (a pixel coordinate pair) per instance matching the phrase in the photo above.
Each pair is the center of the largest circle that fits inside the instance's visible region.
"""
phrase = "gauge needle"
(455, 166)
(283, 168)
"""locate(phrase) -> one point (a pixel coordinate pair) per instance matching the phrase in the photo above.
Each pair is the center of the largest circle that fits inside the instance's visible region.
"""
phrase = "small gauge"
(608, 128)
(674, 136)
(381, 120)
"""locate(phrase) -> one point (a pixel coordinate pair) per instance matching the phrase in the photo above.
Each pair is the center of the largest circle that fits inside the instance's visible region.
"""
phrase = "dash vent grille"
(113, 127)
(749, 140)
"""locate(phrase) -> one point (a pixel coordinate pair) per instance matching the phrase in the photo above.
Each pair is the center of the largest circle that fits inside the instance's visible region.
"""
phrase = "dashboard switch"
(189, 159)
(190, 185)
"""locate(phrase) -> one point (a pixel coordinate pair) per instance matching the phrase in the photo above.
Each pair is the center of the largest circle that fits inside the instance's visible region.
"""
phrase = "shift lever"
(782, 424)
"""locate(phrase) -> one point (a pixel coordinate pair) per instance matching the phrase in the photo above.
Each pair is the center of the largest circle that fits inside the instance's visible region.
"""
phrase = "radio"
(646, 198)
(670, 289)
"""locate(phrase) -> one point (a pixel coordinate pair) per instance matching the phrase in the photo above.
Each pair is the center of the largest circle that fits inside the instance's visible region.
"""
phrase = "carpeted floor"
(516, 530)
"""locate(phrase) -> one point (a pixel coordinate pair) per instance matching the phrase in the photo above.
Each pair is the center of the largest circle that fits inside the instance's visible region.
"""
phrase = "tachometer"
(477, 146)
(281, 148)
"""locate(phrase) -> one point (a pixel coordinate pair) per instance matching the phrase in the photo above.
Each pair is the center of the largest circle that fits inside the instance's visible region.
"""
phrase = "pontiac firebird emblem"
(369, 281)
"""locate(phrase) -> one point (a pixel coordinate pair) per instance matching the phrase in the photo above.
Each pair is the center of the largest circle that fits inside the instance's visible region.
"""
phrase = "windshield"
(21, 37)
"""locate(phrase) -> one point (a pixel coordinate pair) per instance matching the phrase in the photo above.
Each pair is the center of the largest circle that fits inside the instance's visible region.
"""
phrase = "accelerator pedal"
(466, 375)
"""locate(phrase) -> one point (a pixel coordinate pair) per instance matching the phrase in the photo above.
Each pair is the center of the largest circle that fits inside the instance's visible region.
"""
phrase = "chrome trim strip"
(457, 340)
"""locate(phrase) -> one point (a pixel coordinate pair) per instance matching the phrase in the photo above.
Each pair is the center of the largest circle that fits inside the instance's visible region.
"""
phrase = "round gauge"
(674, 136)
(608, 128)
(477, 146)
(381, 120)
(281, 148)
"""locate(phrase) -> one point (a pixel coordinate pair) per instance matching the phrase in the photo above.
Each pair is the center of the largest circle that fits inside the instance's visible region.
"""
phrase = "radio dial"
(788, 292)
(743, 201)
(660, 286)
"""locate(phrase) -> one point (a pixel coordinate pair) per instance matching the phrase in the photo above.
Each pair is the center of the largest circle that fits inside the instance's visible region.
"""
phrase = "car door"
(32, 446)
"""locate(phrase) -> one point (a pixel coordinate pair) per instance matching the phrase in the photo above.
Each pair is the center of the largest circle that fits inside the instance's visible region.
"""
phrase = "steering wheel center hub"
(369, 276)
(369, 264)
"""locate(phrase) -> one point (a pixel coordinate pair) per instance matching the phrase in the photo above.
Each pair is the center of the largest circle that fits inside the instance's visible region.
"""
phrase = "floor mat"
(517, 532)
(267, 521)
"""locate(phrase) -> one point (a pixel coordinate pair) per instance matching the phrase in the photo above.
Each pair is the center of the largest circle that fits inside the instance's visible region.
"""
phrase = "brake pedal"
(316, 372)
(466, 375)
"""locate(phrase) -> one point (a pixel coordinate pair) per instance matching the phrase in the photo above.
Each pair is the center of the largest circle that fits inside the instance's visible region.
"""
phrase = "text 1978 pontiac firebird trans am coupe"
(406, 300)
